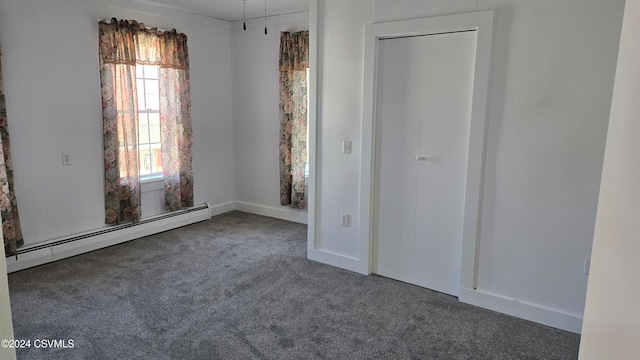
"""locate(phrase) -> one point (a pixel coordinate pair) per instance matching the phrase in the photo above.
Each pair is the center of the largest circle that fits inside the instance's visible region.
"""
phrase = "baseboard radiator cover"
(57, 249)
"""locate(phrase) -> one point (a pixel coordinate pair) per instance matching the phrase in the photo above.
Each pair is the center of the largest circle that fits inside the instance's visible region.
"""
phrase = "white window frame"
(154, 176)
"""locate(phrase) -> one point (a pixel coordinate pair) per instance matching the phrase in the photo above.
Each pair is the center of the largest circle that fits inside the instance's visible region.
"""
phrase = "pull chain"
(244, 15)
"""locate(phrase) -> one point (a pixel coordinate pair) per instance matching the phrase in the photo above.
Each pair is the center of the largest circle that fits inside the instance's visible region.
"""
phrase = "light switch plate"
(66, 159)
(345, 219)
(346, 147)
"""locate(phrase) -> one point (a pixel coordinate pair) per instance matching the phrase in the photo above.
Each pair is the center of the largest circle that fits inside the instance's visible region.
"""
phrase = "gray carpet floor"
(239, 286)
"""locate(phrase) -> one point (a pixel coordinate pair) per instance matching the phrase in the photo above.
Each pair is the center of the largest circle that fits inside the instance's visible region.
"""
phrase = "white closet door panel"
(397, 151)
(424, 101)
(444, 140)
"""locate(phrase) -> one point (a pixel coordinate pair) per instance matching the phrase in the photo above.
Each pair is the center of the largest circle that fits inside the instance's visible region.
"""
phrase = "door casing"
(482, 22)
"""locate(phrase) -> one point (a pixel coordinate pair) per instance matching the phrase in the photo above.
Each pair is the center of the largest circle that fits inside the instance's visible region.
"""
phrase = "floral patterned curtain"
(118, 46)
(8, 205)
(123, 44)
(293, 64)
(175, 121)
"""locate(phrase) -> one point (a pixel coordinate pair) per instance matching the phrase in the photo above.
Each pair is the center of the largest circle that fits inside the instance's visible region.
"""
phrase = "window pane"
(145, 160)
(157, 161)
(143, 129)
(154, 128)
(140, 90)
(143, 135)
(153, 94)
(151, 71)
(154, 134)
(154, 119)
(156, 158)
(139, 71)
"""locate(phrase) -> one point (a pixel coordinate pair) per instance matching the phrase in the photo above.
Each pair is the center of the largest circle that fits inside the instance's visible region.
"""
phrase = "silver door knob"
(421, 158)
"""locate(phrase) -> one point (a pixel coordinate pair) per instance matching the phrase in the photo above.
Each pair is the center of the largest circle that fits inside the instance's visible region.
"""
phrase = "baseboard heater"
(57, 249)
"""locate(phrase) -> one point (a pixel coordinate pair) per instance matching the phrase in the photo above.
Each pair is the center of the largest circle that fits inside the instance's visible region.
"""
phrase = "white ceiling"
(231, 10)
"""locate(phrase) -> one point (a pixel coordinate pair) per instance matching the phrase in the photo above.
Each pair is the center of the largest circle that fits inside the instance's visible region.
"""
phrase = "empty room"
(319, 179)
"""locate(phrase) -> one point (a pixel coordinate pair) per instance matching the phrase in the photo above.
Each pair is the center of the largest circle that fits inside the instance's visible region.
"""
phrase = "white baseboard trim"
(222, 208)
(337, 260)
(541, 315)
(57, 249)
(283, 213)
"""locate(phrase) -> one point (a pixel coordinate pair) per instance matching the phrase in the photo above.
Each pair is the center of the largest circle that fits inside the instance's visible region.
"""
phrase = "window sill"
(150, 178)
(151, 184)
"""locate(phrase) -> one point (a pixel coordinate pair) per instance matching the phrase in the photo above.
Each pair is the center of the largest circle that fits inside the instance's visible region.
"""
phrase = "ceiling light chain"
(244, 15)
(265, 17)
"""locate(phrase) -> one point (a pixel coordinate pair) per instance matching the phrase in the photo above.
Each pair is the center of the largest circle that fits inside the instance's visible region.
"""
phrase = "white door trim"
(482, 22)
(312, 113)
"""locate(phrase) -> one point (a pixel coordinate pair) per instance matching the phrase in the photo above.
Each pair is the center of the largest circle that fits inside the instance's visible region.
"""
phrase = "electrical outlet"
(66, 159)
(587, 265)
(345, 219)
(346, 147)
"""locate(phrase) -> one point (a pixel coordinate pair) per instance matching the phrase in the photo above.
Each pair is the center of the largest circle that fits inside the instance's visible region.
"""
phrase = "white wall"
(551, 85)
(612, 319)
(256, 114)
(54, 105)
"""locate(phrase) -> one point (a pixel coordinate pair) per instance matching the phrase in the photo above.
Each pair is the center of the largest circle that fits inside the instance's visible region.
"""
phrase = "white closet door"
(424, 109)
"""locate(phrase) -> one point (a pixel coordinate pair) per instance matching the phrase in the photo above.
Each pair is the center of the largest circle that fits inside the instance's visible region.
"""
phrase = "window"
(149, 143)
(130, 56)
